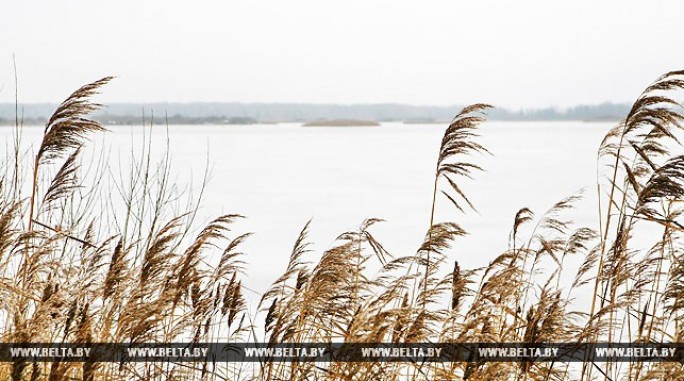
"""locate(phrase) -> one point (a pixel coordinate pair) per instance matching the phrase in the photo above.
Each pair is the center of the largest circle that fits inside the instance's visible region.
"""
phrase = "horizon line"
(343, 104)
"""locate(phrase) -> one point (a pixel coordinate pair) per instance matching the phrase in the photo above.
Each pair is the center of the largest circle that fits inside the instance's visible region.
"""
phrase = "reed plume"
(66, 130)
(458, 141)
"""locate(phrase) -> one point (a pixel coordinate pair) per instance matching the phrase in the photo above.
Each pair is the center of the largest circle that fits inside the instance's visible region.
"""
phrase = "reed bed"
(76, 269)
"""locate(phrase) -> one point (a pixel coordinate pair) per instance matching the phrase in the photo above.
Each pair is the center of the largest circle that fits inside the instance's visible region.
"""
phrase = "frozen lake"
(279, 176)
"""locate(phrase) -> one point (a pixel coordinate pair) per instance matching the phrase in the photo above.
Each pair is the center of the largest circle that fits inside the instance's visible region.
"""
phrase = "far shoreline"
(326, 123)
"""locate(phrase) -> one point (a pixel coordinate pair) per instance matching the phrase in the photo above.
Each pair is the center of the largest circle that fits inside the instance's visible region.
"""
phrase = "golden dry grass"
(73, 273)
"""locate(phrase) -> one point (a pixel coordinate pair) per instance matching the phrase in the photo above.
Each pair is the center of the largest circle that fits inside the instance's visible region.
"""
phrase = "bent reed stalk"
(107, 259)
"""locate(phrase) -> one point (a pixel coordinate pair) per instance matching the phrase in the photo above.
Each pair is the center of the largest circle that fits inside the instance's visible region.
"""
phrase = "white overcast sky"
(510, 53)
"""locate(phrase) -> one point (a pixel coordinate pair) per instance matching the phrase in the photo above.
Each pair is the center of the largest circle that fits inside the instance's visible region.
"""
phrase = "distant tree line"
(249, 113)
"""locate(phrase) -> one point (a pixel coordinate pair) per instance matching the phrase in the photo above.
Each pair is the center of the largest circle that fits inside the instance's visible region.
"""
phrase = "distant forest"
(249, 113)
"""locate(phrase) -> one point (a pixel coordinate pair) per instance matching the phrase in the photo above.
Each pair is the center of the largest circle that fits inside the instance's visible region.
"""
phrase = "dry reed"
(138, 276)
